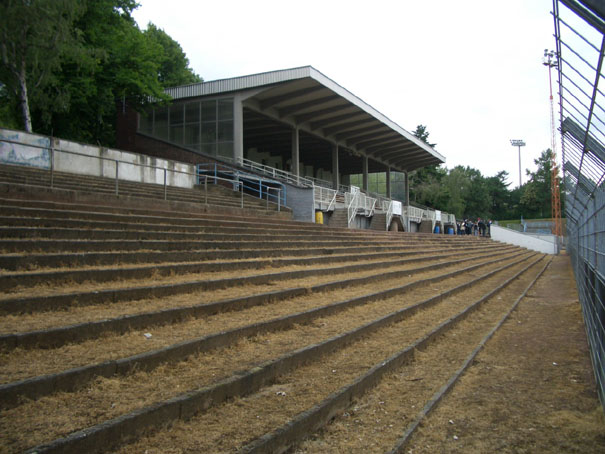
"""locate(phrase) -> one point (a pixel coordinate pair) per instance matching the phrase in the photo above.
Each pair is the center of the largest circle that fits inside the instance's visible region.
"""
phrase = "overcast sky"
(470, 70)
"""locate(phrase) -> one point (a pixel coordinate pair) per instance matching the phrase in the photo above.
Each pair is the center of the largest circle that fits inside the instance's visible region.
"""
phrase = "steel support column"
(335, 169)
(365, 172)
(295, 168)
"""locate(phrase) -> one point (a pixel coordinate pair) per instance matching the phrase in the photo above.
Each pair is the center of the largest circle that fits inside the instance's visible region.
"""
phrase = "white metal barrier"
(325, 198)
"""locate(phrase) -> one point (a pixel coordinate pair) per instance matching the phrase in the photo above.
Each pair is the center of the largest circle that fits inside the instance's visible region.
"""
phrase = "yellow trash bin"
(319, 217)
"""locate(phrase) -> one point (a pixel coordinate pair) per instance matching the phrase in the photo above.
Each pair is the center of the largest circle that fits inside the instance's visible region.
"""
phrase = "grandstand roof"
(305, 98)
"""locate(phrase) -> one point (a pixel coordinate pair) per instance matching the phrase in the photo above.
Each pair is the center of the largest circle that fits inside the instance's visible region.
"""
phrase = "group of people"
(478, 228)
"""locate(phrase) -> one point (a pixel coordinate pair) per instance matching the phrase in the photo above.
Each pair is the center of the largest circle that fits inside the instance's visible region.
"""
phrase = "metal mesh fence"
(580, 41)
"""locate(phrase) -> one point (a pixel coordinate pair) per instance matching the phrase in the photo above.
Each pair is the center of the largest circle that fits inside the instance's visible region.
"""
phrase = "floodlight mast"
(518, 143)
(551, 61)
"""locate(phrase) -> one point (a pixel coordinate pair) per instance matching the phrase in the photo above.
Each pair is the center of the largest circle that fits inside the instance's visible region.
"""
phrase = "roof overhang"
(306, 99)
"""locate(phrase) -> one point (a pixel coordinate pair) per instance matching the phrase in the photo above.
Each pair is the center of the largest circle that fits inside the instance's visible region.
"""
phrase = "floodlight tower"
(551, 61)
(519, 144)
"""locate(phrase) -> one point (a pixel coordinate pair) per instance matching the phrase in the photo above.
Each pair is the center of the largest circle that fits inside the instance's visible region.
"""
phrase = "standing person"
(481, 224)
(469, 226)
(489, 228)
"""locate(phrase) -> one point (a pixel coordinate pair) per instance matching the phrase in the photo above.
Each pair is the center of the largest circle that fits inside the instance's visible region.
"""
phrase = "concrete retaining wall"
(92, 160)
(546, 244)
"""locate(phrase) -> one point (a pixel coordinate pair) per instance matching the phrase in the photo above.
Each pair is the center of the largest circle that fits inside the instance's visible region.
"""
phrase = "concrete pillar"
(365, 172)
(335, 170)
(407, 198)
(295, 153)
(238, 130)
(388, 182)
(407, 187)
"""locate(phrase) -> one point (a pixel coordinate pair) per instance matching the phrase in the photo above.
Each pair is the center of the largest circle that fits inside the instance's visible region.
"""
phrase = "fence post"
(52, 162)
(117, 163)
(206, 189)
(241, 188)
(279, 199)
(165, 195)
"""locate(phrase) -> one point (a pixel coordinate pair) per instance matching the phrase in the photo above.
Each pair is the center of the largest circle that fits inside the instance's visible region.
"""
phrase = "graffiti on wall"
(31, 151)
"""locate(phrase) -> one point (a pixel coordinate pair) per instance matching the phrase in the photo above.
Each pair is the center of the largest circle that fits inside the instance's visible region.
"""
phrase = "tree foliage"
(35, 35)
(173, 68)
(103, 62)
(466, 193)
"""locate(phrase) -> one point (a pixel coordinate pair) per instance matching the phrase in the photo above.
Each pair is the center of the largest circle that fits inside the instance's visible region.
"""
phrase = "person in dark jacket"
(481, 224)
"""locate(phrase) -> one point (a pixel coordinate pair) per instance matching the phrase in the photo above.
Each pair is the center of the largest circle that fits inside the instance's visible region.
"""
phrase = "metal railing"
(413, 213)
(387, 206)
(582, 119)
(352, 203)
(251, 184)
(118, 176)
(272, 172)
(325, 198)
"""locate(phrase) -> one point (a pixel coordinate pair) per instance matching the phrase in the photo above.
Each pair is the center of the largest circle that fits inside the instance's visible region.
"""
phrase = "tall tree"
(173, 64)
(497, 188)
(536, 193)
(34, 36)
(424, 181)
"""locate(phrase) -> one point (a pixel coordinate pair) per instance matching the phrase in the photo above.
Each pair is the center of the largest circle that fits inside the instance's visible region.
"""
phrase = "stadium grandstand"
(298, 131)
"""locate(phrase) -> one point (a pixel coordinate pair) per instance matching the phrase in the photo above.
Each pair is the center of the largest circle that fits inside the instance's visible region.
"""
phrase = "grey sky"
(471, 71)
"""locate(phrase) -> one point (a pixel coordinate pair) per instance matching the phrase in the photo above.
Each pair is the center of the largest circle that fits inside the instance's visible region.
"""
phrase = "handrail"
(389, 211)
(352, 205)
(283, 175)
(325, 195)
(214, 169)
(52, 168)
(413, 213)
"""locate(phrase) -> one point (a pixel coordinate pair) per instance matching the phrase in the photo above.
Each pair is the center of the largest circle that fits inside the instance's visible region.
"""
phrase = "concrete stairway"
(126, 328)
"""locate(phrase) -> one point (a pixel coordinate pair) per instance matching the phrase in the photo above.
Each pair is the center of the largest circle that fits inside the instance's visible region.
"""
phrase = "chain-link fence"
(580, 41)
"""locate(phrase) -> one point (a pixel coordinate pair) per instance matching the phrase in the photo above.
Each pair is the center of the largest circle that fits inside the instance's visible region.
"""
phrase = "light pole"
(519, 144)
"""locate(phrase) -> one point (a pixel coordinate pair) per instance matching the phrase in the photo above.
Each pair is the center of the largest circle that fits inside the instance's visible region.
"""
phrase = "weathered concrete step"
(89, 245)
(93, 200)
(209, 227)
(32, 175)
(70, 379)
(56, 233)
(162, 218)
(9, 281)
(83, 298)
(150, 217)
(54, 337)
(17, 262)
(185, 406)
(180, 215)
(307, 422)
(250, 202)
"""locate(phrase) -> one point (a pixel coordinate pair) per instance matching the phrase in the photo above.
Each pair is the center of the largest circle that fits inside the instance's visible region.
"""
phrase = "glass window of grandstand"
(205, 126)
(377, 182)
(398, 186)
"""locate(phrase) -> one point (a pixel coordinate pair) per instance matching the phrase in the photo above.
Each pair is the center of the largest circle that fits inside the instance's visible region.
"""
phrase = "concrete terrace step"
(118, 319)
(15, 262)
(94, 274)
(320, 342)
(40, 177)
